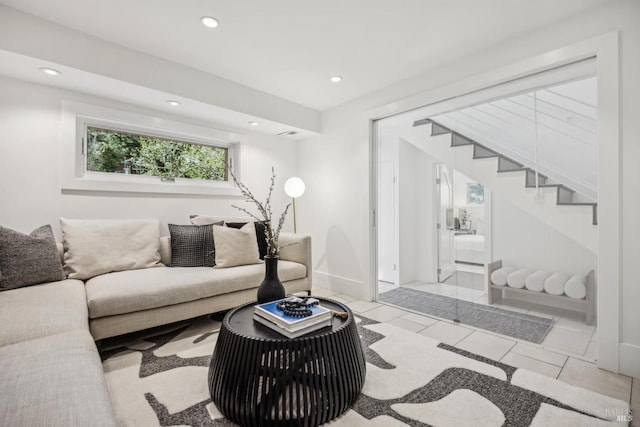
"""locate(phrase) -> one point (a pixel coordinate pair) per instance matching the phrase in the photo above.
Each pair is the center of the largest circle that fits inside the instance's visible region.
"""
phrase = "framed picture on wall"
(475, 194)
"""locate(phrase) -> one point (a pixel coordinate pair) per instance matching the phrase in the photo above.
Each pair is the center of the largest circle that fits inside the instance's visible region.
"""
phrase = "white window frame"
(76, 117)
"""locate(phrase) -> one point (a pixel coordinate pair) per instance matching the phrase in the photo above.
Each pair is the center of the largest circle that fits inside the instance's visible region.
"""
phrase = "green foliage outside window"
(128, 153)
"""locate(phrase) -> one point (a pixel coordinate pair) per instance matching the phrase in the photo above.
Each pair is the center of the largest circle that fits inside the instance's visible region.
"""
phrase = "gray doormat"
(517, 325)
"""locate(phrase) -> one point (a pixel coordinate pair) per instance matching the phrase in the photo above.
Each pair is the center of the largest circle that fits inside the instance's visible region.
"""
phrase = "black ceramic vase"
(271, 288)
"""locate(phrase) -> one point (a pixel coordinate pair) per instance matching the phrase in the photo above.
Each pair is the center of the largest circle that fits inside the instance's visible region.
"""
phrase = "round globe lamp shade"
(294, 187)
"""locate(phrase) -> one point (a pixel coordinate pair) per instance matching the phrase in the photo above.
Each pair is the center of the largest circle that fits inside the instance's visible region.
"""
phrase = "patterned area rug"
(161, 380)
(518, 325)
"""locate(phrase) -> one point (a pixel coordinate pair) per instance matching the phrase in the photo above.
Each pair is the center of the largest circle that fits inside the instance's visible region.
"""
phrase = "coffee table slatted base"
(299, 382)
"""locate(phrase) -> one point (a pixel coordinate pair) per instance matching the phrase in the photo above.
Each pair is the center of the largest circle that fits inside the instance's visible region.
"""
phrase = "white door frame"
(606, 50)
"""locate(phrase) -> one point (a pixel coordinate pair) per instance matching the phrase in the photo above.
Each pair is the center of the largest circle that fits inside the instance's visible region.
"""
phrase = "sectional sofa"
(50, 368)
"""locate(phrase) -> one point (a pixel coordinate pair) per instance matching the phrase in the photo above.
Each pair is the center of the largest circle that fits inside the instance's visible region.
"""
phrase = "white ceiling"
(290, 48)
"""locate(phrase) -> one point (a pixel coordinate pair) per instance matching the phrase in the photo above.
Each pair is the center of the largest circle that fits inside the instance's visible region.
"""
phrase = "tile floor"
(566, 356)
(570, 335)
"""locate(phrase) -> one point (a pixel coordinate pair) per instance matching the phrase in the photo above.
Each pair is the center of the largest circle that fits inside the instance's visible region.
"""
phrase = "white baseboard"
(629, 357)
(342, 285)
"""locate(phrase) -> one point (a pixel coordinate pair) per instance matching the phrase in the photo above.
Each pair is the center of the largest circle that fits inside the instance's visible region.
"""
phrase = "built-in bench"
(585, 305)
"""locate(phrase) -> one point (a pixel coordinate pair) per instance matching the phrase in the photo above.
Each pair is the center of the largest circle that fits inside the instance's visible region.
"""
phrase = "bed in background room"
(469, 248)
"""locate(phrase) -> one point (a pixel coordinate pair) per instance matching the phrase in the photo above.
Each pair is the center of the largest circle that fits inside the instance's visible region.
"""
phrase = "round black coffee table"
(258, 377)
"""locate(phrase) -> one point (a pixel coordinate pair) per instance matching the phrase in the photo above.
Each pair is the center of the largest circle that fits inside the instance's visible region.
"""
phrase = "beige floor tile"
(540, 354)
(574, 324)
(566, 319)
(635, 402)
(433, 288)
(415, 283)
(521, 361)
(445, 332)
(486, 345)
(556, 313)
(567, 340)
(592, 349)
(317, 291)
(384, 313)
(403, 323)
(361, 306)
(468, 294)
(423, 320)
(385, 287)
(343, 298)
(587, 375)
(513, 305)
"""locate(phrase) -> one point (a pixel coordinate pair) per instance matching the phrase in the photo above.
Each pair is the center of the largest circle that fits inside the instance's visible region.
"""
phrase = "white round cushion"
(499, 277)
(516, 278)
(535, 281)
(576, 287)
(554, 284)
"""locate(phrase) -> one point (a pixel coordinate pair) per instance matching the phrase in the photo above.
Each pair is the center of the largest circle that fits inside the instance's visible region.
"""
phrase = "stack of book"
(271, 316)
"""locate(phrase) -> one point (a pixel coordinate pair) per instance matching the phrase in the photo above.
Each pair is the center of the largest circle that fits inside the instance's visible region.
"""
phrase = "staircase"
(554, 203)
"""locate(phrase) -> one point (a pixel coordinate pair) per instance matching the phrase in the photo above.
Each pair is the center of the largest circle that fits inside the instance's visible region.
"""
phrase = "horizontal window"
(115, 151)
(104, 149)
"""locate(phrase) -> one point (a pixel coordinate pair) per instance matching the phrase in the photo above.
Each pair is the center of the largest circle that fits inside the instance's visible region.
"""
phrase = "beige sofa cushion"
(42, 310)
(235, 246)
(93, 247)
(54, 381)
(135, 290)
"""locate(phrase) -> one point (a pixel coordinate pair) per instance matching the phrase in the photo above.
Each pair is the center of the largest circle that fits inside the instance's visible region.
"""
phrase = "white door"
(387, 235)
(446, 244)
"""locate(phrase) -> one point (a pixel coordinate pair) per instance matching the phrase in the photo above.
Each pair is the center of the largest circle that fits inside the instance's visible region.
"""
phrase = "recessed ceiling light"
(50, 71)
(173, 103)
(253, 123)
(209, 21)
(336, 79)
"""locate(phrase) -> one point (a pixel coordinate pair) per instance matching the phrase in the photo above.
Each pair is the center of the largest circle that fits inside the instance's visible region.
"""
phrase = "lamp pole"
(295, 227)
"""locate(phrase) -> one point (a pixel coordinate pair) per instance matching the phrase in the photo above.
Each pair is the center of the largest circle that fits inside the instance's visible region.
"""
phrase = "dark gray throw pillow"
(192, 245)
(28, 259)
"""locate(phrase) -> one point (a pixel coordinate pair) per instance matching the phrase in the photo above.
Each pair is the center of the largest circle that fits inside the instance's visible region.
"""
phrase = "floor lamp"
(294, 187)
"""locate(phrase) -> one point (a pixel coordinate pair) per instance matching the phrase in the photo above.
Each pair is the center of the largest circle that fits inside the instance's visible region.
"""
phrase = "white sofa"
(127, 301)
(50, 368)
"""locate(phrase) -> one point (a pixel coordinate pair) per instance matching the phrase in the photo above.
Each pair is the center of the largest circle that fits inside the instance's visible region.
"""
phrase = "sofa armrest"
(298, 249)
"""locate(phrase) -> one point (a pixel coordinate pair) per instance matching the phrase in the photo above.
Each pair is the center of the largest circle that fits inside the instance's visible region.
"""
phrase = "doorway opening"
(449, 219)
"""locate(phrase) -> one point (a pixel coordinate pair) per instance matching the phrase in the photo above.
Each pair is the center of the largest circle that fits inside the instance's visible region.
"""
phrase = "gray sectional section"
(54, 381)
(42, 310)
(50, 370)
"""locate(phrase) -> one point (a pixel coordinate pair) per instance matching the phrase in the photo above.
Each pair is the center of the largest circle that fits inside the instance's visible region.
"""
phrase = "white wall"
(336, 164)
(416, 192)
(519, 239)
(30, 193)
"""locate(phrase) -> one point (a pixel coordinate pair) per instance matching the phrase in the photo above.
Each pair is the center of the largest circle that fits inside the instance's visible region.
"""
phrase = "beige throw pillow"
(235, 246)
(93, 247)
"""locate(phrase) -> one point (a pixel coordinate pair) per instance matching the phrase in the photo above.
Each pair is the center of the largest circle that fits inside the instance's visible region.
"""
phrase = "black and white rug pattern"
(412, 380)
